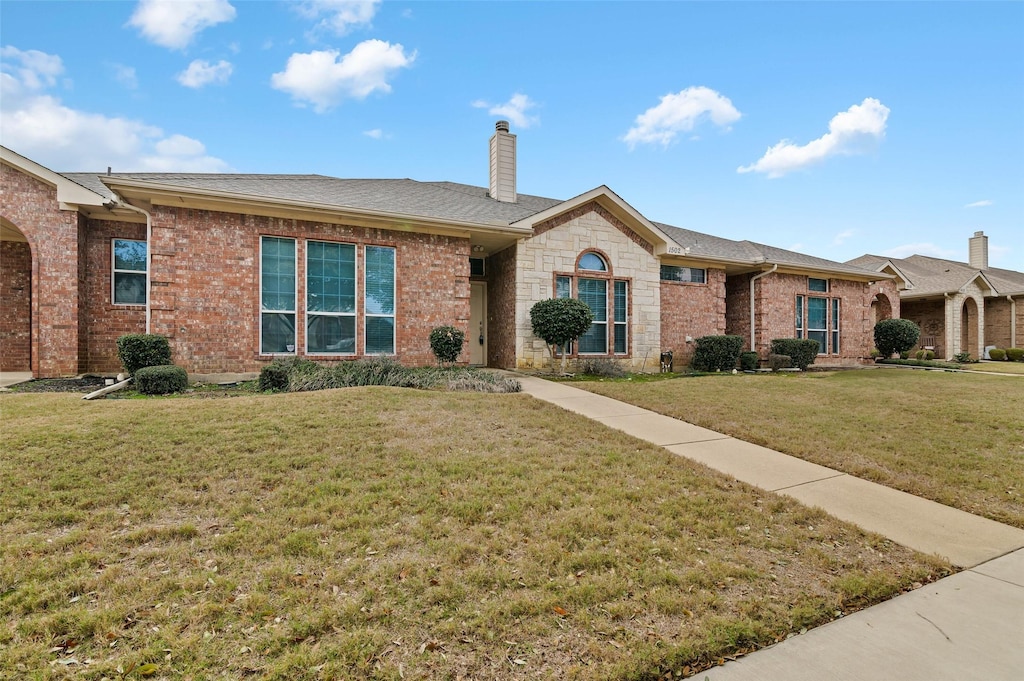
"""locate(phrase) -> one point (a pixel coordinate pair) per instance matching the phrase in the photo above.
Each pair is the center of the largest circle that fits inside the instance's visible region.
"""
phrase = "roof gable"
(69, 192)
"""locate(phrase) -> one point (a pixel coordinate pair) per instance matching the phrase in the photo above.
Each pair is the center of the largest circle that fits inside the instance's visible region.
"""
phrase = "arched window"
(593, 263)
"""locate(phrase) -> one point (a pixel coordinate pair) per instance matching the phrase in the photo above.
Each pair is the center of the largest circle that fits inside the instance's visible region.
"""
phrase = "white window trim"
(354, 314)
(114, 272)
(295, 300)
(394, 296)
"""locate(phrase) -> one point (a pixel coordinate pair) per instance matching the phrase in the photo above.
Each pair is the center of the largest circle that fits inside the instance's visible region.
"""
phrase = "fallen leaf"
(560, 611)
(403, 575)
(148, 669)
(519, 660)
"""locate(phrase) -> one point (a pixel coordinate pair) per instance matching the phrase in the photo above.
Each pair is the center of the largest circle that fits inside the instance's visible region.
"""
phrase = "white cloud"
(681, 112)
(514, 110)
(174, 23)
(339, 16)
(30, 69)
(126, 76)
(849, 132)
(376, 133)
(931, 249)
(322, 79)
(201, 72)
(38, 125)
(841, 238)
(979, 204)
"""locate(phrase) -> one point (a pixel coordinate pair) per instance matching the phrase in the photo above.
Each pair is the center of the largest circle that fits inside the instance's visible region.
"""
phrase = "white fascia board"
(69, 192)
(612, 201)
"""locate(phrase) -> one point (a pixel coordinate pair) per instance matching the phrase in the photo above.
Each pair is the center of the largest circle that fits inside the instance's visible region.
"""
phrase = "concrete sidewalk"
(967, 626)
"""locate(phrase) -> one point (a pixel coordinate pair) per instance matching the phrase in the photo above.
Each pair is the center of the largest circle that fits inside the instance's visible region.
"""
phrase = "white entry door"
(477, 337)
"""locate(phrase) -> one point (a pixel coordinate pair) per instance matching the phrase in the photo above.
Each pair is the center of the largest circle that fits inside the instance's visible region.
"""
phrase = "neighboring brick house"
(239, 269)
(960, 307)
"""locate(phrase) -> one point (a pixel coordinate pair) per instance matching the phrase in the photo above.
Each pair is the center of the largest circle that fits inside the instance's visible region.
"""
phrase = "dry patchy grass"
(951, 437)
(381, 533)
(998, 367)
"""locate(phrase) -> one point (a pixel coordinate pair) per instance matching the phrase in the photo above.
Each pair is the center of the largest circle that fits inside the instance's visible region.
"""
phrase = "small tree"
(558, 322)
(139, 350)
(447, 342)
(895, 335)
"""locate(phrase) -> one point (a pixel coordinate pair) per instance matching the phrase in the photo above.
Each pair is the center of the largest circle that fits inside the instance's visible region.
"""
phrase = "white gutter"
(149, 256)
(752, 306)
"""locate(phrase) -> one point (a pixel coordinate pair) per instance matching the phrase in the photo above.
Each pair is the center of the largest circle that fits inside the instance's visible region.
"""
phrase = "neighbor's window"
(277, 295)
(835, 325)
(799, 316)
(129, 280)
(693, 275)
(379, 291)
(817, 322)
(818, 285)
(330, 298)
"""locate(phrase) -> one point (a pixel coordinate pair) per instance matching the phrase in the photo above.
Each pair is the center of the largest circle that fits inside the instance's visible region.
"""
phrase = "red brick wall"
(997, 322)
(31, 206)
(693, 310)
(501, 309)
(15, 306)
(103, 321)
(737, 307)
(205, 285)
(775, 297)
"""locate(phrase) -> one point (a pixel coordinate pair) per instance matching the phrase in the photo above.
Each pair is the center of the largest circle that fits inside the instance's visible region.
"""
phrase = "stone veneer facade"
(555, 249)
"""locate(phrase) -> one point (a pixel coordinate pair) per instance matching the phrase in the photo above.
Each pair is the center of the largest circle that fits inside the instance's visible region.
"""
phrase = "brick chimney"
(978, 251)
(503, 164)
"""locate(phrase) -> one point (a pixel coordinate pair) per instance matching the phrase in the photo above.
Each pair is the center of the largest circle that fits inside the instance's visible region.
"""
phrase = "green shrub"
(779, 362)
(716, 353)
(997, 354)
(896, 336)
(446, 343)
(802, 351)
(602, 366)
(1015, 354)
(558, 322)
(963, 358)
(924, 354)
(138, 350)
(748, 361)
(161, 379)
(277, 375)
(874, 354)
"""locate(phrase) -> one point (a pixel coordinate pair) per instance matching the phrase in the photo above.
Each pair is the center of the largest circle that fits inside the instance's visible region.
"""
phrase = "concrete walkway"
(9, 378)
(967, 626)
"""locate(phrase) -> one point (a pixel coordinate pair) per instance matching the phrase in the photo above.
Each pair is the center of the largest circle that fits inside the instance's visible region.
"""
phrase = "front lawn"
(955, 438)
(387, 533)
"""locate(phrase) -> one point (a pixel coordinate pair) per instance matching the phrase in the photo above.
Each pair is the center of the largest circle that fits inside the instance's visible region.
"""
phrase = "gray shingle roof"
(441, 201)
(935, 276)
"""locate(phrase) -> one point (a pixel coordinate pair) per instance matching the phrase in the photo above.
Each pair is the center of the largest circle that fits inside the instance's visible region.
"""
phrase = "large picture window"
(379, 300)
(594, 292)
(330, 298)
(129, 272)
(277, 295)
(608, 300)
(817, 322)
(818, 319)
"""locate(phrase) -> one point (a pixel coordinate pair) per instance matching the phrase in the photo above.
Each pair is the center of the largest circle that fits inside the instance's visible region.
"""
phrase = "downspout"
(1013, 321)
(754, 278)
(149, 255)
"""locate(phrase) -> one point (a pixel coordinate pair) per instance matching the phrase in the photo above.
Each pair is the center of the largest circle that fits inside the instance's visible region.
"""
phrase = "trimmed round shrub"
(446, 342)
(1015, 354)
(748, 361)
(558, 322)
(896, 336)
(929, 355)
(716, 353)
(160, 380)
(138, 350)
(779, 362)
(802, 351)
(997, 354)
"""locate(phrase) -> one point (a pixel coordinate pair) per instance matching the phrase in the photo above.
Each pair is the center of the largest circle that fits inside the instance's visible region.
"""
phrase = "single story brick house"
(960, 306)
(237, 270)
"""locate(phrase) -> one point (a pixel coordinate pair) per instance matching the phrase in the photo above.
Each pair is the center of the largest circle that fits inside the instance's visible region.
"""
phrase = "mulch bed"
(86, 384)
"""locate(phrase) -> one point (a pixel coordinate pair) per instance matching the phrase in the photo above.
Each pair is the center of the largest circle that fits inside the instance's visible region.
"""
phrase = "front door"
(477, 338)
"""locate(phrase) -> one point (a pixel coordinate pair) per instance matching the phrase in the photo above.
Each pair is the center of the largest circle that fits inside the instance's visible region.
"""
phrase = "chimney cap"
(501, 125)
(979, 233)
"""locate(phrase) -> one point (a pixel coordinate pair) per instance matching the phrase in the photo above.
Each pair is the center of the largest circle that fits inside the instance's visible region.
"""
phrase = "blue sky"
(833, 129)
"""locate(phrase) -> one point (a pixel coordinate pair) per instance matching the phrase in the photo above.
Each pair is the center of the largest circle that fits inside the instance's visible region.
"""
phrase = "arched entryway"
(881, 308)
(15, 299)
(969, 327)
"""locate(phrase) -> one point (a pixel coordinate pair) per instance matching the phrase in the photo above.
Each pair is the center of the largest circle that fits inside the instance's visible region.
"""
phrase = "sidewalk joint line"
(695, 442)
(810, 482)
